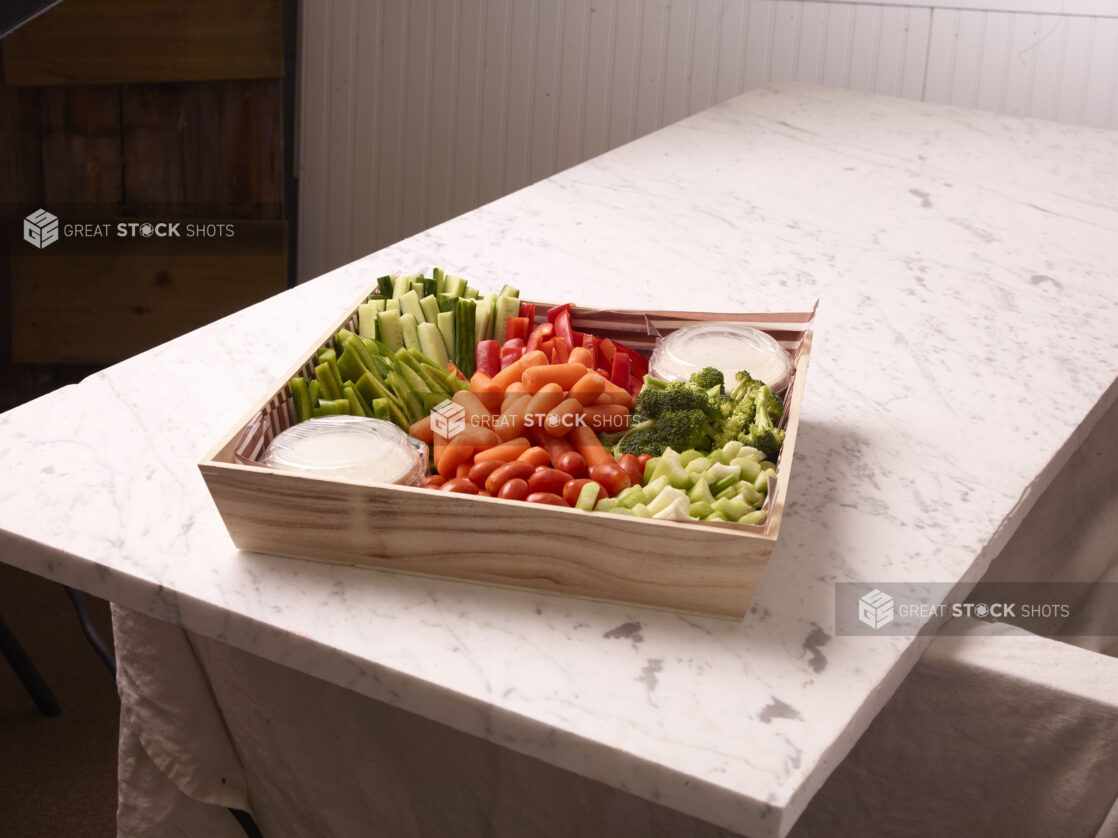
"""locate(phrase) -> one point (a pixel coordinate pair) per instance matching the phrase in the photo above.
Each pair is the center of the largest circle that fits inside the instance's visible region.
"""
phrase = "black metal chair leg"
(99, 646)
(247, 823)
(25, 670)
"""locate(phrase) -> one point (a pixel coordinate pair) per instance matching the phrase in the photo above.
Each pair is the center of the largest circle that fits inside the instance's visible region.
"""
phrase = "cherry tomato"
(433, 481)
(643, 459)
(612, 477)
(548, 480)
(572, 487)
(573, 463)
(632, 467)
(460, 485)
(514, 489)
(507, 471)
(480, 471)
(546, 497)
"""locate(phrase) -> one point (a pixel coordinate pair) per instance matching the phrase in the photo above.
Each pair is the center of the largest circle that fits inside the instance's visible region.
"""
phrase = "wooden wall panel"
(136, 41)
(213, 150)
(104, 300)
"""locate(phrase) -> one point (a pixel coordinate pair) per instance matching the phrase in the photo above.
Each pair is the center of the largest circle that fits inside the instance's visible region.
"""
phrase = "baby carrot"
(477, 414)
(587, 444)
(555, 446)
(563, 417)
(619, 395)
(421, 430)
(514, 371)
(490, 394)
(510, 423)
(462, 447)
(505, 452)
(581, 355)
(535, 457)
(565, 375)
(588, 388)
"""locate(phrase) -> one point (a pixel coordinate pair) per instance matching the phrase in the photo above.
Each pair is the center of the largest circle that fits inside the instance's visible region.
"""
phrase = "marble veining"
(965, 265)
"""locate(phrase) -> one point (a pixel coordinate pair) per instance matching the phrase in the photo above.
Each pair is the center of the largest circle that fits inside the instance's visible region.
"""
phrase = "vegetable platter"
(545, 483)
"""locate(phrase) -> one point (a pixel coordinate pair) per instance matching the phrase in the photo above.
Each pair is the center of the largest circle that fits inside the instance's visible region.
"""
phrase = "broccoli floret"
(744, 386)
(676, 429)
(737, 421)
(708, 379)
(763, 435)
(676, 395)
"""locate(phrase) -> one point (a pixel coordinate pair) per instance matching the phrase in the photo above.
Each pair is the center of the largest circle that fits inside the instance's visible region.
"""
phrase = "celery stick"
(361, 351)
(374, 390)
(380, 409)
(445, 323)
(350, 366)
(431, 342)
(408, 398)
(408, 324)
(413, 379)
(355, 406)
(755, 518)
(331, 386)
(332, 407)
(301, 398)
(430, 308)
(315, 389)
(588, 496)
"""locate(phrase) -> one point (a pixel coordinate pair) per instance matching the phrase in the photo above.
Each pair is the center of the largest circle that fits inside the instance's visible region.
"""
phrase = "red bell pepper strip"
(548, 347)
(635, 384)
(555, 311)
(516, 342)
(453, 370)
(591, 343)
(637, 362)
(539, 334)
(517, 328)
(620, 373)
(563, 328)
(528, 310)
(488, 357)
(562, 351)
(510, 355)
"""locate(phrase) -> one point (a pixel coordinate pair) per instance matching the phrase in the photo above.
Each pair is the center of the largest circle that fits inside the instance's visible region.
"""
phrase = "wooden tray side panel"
(657, 563)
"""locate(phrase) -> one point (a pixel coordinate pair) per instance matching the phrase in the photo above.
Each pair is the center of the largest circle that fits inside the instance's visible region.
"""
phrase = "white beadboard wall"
(414, 111)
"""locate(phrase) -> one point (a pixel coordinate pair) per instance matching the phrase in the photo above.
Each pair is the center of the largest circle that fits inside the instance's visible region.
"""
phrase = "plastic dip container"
(350, 448)
(725, 346)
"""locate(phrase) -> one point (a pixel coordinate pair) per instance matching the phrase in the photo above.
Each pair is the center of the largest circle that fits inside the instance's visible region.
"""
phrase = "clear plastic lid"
(726, 346)
(349, 447)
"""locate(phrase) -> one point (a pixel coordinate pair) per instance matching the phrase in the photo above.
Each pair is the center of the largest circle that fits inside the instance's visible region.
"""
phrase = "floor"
(57, 775)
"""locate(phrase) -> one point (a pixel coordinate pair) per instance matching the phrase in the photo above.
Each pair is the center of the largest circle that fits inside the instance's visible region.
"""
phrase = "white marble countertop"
(967, 267)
